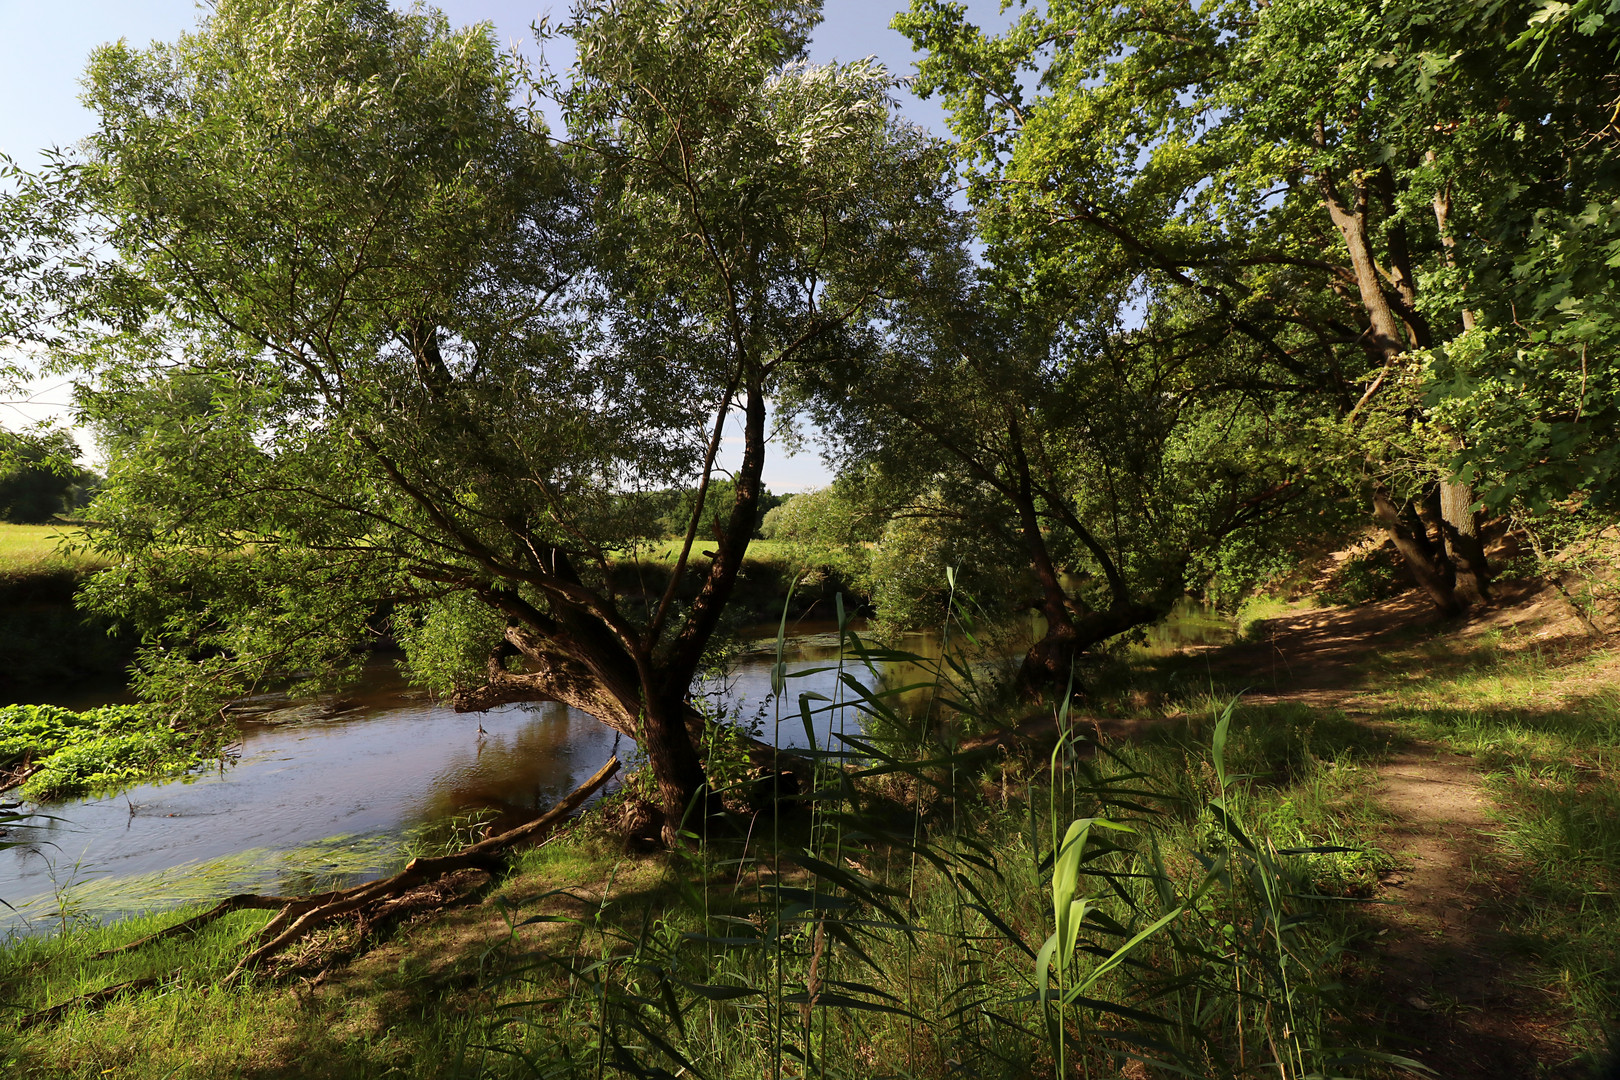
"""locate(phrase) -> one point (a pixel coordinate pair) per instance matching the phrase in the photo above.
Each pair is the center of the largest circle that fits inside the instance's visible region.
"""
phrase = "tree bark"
(1411, 539)
(1460, 528)
(1432, 568)
(1460, 523)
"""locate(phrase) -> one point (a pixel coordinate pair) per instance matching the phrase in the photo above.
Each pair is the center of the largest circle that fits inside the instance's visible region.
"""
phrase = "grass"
(668, 551)
(1544, 728)
(1256, 610)
(895, 926)
(1542, 723)
(30, 549)
(921, 916)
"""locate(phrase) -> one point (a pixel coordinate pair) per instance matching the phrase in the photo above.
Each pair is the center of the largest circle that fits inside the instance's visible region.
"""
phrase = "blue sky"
(45, 45)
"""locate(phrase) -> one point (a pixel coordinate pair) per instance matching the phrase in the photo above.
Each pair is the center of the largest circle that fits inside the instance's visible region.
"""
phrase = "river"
(325, 797)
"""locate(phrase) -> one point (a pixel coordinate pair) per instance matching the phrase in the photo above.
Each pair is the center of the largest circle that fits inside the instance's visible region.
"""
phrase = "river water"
(325, 797)
(317, 799)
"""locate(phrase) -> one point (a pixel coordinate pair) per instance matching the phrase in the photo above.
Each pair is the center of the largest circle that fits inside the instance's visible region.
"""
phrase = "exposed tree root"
(297, 917)
(239, 902)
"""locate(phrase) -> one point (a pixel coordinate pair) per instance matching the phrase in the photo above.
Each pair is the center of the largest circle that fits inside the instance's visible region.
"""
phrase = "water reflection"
(318, 798)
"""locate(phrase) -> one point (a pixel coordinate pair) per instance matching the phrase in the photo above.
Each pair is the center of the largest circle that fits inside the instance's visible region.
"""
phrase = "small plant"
(447, 835)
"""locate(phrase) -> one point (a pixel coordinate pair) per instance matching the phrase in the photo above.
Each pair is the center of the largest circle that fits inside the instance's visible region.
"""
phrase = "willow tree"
(405, 353)
(1371, 195)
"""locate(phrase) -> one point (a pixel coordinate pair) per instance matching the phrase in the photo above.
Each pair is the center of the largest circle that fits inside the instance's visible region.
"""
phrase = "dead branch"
(302, 917)
(296, 917)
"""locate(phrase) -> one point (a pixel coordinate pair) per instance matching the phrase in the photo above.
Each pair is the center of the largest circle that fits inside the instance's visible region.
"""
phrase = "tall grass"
(906, 925)
(28, 549)
(1172, 908)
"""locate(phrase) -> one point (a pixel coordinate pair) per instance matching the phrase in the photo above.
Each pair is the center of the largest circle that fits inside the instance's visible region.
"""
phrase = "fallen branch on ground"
(297, 917)
(301, 917)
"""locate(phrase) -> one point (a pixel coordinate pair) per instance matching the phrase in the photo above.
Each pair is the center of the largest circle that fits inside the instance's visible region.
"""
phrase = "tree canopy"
(371, 349)
(1400, 213)
(402, 350)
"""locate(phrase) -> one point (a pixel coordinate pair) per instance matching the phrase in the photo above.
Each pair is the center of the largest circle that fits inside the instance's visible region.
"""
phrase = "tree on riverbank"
(398, 347)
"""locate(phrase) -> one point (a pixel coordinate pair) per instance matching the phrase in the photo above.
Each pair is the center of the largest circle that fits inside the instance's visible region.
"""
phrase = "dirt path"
(1459, 998)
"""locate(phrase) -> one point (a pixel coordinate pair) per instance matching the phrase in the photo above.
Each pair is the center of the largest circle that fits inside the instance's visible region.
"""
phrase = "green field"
(31, 548)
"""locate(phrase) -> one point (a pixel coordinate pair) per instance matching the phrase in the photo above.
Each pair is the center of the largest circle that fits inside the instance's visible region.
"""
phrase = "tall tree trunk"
(1432, 568)
(682, 784)
(1049, 663)
(1459, 522)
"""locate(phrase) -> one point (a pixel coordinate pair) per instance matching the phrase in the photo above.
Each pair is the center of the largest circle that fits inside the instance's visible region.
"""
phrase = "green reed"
(903, 924)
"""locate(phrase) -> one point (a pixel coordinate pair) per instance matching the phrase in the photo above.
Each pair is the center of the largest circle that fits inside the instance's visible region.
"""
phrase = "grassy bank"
(1207, 898)
(1543, 726)
(924, 914)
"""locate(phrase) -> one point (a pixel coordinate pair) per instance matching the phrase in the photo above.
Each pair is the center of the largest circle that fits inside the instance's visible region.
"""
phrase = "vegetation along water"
(1231, 393)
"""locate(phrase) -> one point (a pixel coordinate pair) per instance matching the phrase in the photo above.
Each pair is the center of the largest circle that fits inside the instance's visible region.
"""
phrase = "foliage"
(918, 557)
(38, 480)
(385, 343)
(97, 750)
(1394, 220)
(721, 493)
(828, 530)
(1364, 576)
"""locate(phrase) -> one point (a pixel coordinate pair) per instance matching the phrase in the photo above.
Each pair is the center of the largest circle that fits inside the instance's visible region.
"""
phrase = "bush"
(1365, 576)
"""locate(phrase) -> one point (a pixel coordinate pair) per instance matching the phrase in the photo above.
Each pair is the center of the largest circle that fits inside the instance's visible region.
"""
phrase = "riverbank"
(1493, 936)
(734, 957)
(51, 651)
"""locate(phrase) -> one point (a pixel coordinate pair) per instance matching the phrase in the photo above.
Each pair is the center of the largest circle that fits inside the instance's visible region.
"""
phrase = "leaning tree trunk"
(1048, 668)
(1430, 568)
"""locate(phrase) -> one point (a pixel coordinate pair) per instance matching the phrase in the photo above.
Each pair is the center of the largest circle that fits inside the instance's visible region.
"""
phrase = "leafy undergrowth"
(96, 750)
(1186, 903)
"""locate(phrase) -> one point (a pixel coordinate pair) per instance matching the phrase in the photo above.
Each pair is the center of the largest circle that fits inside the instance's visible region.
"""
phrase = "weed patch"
(96, 750)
